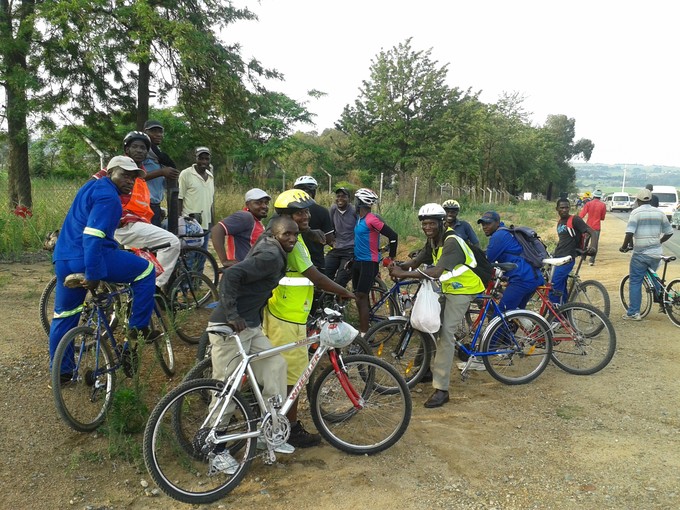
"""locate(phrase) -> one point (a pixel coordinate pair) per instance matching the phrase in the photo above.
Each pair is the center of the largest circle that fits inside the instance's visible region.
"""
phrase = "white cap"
(125, 163)
(256, 194)
(201, 150)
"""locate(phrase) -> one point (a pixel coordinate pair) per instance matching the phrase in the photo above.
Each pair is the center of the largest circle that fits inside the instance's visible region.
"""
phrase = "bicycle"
(584, 340)
(83, 400)
(655, 290)
(359, 404)
(515, 347)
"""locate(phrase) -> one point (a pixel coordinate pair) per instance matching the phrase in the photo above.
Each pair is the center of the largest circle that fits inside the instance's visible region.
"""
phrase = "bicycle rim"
(672, 301)
(591, 292)
(163, 345)
(584, 341)
(176, 453)
(519, 347)
(192, 299)
(83, 401)
(647, 296)
(383, 417)
(385, 340)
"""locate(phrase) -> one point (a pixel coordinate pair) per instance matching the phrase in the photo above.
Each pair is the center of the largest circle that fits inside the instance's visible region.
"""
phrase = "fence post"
(415, 189)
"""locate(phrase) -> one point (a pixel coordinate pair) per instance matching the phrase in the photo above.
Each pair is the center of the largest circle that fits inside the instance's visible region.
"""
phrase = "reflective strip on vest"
(452, 274)
(149, 269)
(67, 313)
(94, 232)
(291, 281)
(464, 275)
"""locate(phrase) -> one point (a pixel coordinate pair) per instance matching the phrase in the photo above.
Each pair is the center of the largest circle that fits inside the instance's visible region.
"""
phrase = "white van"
(619, 201)
(668, 199)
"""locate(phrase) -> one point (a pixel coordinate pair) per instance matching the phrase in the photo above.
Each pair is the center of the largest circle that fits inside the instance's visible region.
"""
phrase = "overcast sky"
(610, 65)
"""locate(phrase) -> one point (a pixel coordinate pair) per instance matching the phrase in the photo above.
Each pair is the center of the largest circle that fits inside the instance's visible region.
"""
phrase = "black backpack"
(484, 269)
(533, 249)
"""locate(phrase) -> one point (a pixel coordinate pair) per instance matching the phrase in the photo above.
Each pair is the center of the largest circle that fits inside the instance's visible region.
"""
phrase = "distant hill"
(608, 178)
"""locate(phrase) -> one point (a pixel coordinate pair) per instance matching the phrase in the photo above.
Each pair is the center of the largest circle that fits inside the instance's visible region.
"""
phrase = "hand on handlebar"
(238, 324)
(90, 284)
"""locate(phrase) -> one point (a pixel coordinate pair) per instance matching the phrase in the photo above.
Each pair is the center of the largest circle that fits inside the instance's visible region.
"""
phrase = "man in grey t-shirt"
(344, 219)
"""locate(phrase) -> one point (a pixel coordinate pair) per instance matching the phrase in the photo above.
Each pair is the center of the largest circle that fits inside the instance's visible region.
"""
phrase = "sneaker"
(284, 448)
(474, 364)
(634, 317)
(224, 463)
(591, 263)
(300, 438)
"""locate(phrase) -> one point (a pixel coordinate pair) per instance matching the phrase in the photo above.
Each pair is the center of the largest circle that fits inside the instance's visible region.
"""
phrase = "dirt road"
(611, 440)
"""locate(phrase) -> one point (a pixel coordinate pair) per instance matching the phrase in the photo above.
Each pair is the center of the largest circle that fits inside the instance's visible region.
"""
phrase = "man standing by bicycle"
(344, 219)
(158, 166)
(86, 244)
(596, 211)
(647, 229)
(285, 317)
(452, 258)
(244, 291)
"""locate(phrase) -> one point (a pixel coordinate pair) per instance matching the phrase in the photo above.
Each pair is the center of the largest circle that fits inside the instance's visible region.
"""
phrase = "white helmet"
(431, 211)
(337, 334)
(305, 180)
(366, 196)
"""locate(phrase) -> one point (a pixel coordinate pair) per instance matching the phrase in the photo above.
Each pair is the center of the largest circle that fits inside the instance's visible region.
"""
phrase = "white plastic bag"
(426, 309)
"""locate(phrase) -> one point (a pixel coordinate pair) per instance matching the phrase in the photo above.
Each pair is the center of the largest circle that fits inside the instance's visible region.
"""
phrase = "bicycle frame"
(395, 290)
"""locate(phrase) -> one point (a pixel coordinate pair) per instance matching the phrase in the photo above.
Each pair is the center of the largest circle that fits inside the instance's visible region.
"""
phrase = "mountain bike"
(584, 340)
(95, 356)
(515, 346)
(656, 290)
(359, 404)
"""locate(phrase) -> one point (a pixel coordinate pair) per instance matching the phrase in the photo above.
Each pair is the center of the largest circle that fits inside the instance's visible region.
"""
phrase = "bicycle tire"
(163, 345)
(647, 296)
(520, 343)
(46, 305)
(177, 465)
(197, 256)
(386, 338)
(192, 299)
(588, 342)
(203, 349)
(84, 401)
(383, 417)
(591, 292)
(672, 301)
(358, 346)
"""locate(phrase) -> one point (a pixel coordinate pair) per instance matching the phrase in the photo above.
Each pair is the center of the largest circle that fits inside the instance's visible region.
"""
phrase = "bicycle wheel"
(672, 301)
(192, 299)
(176, 453)
(516, 347)
(46, 307)
(585, 342)
(387, 338)
(358, 346)
(199, 260)
(381, 417)
(84, 401)
(592, 293)
(203, 350)
(647, 295)
(163, 346)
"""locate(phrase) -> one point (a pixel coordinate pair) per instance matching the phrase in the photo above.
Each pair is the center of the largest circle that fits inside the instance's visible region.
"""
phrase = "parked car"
(675, 219)
(668, 199)
(619, 201)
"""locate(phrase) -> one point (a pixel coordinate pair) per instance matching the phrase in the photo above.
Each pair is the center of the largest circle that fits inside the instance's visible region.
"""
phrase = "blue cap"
(489, 217)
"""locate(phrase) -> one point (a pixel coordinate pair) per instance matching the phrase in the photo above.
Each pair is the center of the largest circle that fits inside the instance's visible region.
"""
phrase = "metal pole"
(381, 186)
(415, 189)
(329, 179)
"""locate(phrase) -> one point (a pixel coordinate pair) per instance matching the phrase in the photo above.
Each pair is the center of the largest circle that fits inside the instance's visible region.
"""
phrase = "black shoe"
(437, 399)
(300, 438)
(427, 377)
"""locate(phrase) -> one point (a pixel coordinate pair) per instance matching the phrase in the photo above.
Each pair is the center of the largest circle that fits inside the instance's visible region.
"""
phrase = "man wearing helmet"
(285, 316)
(135, 228)
(320, 230)
(86, 244)
(451, 258)
(462, 228)
(367, 234)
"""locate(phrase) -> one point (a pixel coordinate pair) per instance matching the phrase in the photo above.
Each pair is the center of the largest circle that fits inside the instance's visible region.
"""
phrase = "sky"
(610, 65)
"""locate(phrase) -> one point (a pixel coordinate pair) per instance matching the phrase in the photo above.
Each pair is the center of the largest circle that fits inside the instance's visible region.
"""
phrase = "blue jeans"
(639, 264)
(558, 294)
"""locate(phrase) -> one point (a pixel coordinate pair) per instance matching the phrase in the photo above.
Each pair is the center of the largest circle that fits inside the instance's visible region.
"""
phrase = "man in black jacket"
(158, 166)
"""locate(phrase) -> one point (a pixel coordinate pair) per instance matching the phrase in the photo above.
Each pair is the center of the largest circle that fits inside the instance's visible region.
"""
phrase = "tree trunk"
(143, 94)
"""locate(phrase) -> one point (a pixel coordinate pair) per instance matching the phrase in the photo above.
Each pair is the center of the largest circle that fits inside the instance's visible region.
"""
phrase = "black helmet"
(137, 135)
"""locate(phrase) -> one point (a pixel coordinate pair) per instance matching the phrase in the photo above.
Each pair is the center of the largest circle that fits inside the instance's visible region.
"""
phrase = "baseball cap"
(256, 194)
(644, 195)
(201, 150)
(125, 163)
(489, 217)
(150, 124)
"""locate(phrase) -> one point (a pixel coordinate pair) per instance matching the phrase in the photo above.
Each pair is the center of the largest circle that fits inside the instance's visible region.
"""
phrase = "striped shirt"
(648, 224)
(242, 229)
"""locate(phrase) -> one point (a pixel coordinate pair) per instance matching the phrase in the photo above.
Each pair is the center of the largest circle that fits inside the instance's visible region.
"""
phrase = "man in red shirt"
(596, 211)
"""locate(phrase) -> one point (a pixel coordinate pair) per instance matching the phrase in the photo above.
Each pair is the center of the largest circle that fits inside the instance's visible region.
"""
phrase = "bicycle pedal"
(268, 457)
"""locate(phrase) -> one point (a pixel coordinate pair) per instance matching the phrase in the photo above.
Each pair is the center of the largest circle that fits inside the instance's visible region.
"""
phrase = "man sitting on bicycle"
(135, 228)
(285, 317)
(648, 227)
(86, 244)
(244, 291)
(503, 247)
(462, 228)
(452, 258)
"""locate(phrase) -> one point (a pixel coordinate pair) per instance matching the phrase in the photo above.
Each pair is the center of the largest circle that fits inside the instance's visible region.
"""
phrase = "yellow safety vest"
(461, 279)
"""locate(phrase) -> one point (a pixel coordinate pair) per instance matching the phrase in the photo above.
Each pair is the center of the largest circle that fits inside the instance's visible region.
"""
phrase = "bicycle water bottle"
(406, 301)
